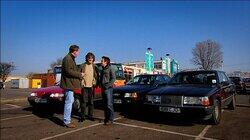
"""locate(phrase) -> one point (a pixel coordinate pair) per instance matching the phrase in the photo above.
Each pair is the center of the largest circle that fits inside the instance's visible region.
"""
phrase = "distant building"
(141, 64)
(159, 66)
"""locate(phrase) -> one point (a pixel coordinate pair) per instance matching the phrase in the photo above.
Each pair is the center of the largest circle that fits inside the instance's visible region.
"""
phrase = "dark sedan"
(239, 84)
(133, 91)
(197, 93)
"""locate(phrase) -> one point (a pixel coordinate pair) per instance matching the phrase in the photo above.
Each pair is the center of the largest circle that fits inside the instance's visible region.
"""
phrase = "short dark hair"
(89, 54)
(106, 59)
(73, 48)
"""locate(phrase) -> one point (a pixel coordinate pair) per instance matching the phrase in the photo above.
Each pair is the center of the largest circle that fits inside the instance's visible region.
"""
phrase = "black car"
(1, 85)
(247, 83)
(239, 84)
(133, 91)
(197, 93)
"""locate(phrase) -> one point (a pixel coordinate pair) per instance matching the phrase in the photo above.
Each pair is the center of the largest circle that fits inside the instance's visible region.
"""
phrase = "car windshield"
(199, 78)
(142, 80)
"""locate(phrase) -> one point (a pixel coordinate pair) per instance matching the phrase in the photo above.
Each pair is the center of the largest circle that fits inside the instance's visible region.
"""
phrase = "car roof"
(234, 77)
(194, 71)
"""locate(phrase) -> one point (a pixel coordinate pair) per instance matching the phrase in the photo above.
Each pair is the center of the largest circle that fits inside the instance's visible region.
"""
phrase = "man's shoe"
(108, 123)
(91, 119)
(70, 125)
(81, 120)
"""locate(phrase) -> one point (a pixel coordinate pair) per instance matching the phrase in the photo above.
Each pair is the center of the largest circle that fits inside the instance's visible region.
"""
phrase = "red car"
(54, 97)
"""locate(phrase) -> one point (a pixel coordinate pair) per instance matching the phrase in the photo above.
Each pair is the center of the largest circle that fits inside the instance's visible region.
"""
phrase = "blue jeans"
(69, 99)
(108, 101)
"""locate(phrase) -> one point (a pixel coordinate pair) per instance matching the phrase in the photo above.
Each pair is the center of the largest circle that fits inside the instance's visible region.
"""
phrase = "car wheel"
(244, 91)
(76, 104)
(216, 114)
(232, 104)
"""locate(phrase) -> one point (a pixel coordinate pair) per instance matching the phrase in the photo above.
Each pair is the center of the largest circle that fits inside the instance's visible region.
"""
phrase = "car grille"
(171, 100)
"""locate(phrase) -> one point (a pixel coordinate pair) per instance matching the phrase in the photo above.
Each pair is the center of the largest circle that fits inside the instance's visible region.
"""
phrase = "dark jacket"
(96, 72)
(107, 77)
(71, 75)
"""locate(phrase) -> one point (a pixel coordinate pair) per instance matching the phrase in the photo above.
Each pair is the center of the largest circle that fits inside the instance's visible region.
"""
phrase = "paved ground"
(20, 121)
(10, 94)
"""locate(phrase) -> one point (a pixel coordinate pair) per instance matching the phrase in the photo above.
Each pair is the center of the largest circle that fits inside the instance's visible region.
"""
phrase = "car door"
(226, 88)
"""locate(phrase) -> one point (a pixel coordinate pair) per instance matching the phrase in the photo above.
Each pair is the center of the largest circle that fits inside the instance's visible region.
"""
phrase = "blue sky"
(33, 34)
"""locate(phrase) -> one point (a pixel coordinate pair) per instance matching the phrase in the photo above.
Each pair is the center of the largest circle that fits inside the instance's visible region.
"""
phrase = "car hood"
(133, 88)
(48, 90)
(186, 90)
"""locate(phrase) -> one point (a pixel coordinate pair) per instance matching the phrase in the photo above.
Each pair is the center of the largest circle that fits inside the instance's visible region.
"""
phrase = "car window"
(223, 77)
(247, 80)
(159, 78)
(204, 78)
(143, 80)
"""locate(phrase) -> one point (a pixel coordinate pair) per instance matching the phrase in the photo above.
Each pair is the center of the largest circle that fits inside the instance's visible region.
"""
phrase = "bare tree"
(30, 74)
(56, 63)
(5, 70)
(207, 55)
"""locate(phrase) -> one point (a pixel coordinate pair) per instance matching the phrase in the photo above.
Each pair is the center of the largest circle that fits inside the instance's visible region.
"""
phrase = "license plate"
(117, 101)
(170, 109)
(39, 100)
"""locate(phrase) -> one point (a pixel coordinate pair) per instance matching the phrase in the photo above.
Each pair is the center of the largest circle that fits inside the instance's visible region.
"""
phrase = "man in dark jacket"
(107, 80)
(89, 82)
(70, 80)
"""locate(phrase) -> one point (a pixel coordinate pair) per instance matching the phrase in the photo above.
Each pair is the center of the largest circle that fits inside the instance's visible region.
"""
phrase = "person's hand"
(83, 74)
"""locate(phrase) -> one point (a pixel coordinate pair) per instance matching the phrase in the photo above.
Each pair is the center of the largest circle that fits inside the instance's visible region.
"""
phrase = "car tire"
(76, 105)
(244, 91)
(216, 113)
(232, 104)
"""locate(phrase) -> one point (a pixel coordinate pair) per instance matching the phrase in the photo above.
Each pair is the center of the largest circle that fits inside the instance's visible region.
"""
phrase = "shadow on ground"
(134, 113)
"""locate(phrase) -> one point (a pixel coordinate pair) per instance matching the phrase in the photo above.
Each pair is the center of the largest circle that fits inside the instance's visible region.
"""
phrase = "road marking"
(11, 118)
(243, 105)
(204, 131)
(12, 107)
(13, 100)
(69, 132)
(16, 106)
(160, 130)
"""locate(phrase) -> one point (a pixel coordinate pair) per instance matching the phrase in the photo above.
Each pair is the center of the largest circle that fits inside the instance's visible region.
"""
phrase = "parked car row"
(200, 93)
(247, 83)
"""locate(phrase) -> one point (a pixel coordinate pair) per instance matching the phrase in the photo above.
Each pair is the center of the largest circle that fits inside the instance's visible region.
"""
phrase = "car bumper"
(34, 101)
(126, 101)
(194, 111)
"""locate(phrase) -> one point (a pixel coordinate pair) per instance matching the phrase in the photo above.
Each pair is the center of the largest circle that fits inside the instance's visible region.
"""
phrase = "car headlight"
(154, 98)
(56, 95)
(33, 94)
(196, 101)
(131, 95)
(127, 95)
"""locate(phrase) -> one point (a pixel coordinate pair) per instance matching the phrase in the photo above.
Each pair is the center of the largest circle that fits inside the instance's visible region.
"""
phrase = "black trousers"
(87, 100)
